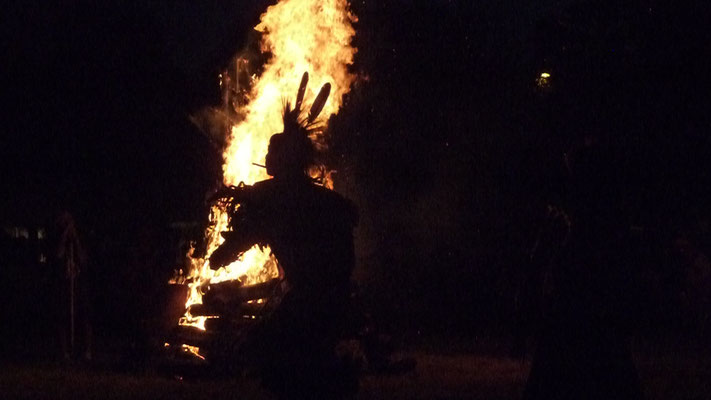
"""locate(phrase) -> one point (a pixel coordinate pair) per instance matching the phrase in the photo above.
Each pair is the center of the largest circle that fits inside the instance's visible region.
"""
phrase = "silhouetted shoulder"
(338, 204)
(264, 189)
(309, 198)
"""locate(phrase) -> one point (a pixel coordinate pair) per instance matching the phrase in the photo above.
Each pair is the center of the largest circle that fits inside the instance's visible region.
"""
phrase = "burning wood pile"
(231, 311)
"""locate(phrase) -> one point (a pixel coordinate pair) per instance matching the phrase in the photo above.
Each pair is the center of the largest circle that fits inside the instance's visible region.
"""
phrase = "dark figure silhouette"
(582, 349)
(536, 281)
(310, 231)
(70, 306)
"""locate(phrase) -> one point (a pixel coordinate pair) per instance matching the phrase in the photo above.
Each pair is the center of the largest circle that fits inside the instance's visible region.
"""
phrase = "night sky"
(446, 145)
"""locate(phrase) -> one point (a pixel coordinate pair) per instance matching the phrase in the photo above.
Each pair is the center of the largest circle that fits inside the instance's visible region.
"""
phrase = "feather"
(302, 91)
(319, 102)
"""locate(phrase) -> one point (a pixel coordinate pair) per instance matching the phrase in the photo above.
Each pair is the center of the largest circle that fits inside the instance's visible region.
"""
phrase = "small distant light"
(544, 80)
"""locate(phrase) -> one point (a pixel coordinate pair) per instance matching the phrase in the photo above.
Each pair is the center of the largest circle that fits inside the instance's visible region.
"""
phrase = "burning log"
(190, 335)
(218, 325)
(202, 310)
(255, 309)
(234, 292)
(232, 326)
(219, 309)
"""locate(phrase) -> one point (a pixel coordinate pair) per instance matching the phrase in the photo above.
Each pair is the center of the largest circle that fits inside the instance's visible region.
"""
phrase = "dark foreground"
(665, 374)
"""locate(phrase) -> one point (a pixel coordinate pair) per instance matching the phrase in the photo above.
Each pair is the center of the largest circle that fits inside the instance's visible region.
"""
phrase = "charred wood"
(190, 336)
(225, 310)
(229, 326)
(235, 292)
(206, 310)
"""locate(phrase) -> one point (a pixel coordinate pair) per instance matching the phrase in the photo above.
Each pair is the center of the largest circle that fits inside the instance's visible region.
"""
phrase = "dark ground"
(468, 370)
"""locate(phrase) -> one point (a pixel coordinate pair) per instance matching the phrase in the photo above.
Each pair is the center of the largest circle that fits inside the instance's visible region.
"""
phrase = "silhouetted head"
(289, 154)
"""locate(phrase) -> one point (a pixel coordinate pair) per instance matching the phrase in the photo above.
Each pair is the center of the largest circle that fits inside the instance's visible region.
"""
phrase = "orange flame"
(311, 36)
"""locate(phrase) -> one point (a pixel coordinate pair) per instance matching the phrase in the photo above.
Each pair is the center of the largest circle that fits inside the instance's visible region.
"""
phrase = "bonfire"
(295, 37)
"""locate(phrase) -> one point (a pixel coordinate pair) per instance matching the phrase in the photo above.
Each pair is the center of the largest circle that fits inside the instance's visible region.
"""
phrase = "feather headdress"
(294, 120)
(293, 148)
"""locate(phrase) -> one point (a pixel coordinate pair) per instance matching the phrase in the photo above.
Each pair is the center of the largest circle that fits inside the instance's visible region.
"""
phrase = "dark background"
(446, 144)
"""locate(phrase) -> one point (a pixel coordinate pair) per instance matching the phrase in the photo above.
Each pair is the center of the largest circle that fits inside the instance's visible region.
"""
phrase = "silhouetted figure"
(70, 298)
(310, 231)
(582, 350)
(536, 280)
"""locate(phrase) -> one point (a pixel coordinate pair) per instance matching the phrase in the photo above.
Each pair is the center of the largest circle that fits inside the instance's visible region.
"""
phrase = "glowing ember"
(192, 350)
(311, 36)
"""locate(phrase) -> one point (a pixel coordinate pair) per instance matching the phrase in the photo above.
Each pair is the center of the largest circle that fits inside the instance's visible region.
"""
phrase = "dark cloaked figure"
(310, 231)
(592, 101)
(70, 307)
(583, 350)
